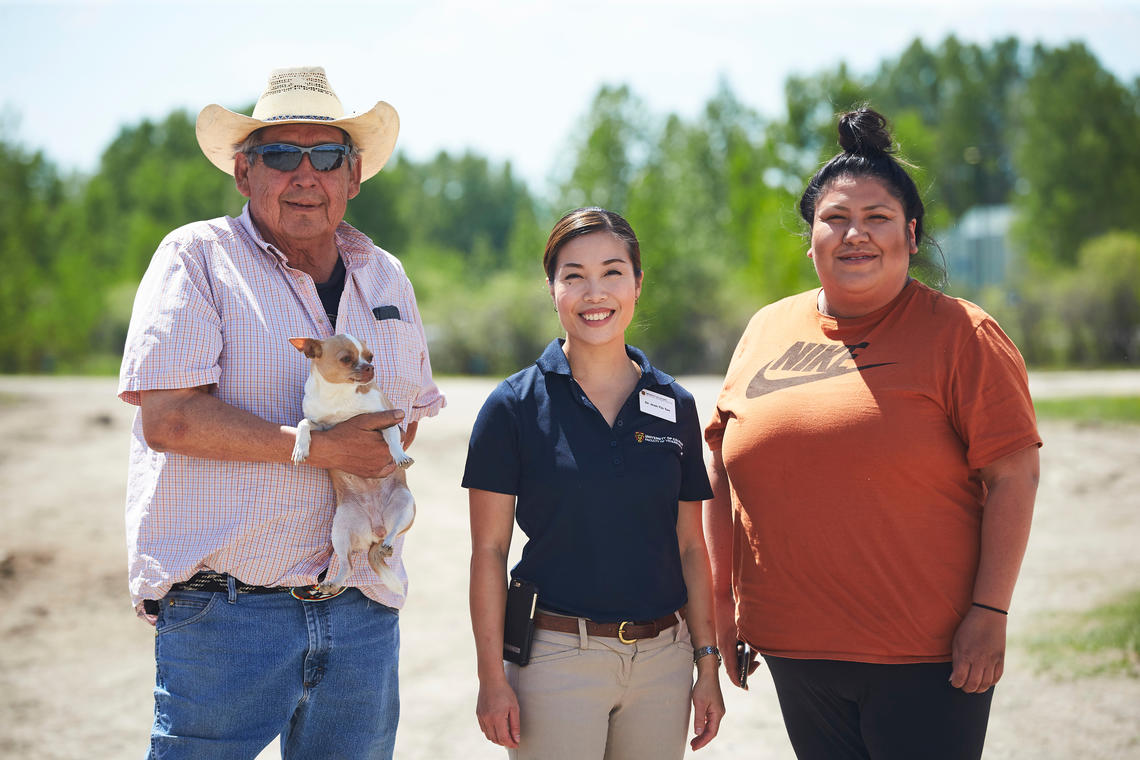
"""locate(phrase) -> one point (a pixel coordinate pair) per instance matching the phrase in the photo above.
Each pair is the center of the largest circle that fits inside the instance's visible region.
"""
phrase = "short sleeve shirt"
(598, 504)
(216, 308)
(853, 449)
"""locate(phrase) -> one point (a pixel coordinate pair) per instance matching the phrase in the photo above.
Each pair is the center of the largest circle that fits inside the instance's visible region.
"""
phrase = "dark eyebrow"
(842, 207)
(605, 263)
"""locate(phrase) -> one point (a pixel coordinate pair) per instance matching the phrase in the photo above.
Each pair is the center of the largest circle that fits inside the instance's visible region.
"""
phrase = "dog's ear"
(310, 347)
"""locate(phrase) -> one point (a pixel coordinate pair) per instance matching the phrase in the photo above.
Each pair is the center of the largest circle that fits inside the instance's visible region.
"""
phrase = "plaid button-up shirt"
(216, 307)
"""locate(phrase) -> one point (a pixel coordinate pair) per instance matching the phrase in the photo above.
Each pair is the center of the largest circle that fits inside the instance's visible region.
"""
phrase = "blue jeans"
(234, 671)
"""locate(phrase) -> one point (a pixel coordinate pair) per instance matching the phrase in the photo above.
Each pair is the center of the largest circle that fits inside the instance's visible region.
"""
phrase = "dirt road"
(76, 667)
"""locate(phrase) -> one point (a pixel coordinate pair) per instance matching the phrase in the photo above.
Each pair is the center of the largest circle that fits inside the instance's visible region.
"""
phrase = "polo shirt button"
(617, 460)
(613, 444)
(620, 423)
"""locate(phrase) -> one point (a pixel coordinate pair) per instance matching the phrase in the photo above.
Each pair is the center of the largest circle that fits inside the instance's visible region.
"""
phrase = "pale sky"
(509, 79)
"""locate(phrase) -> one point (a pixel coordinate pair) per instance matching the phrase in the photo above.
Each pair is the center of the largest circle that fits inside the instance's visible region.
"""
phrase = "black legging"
(837, 710)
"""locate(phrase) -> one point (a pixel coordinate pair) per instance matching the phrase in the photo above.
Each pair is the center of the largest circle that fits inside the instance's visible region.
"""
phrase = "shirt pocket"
(397, 353)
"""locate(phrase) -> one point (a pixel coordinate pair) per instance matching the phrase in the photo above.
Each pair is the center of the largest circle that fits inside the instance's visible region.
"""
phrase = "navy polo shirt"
(598, 504)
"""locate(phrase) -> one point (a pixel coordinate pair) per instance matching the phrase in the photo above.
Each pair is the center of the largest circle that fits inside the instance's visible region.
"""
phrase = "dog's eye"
(346, 360)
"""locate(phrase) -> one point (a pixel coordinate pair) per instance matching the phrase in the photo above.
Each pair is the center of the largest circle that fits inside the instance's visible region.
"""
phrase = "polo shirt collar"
(554, 361)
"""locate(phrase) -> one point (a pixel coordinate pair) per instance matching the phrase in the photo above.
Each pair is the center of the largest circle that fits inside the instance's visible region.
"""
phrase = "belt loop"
(583, 638)
(231, 589)
(677, 627)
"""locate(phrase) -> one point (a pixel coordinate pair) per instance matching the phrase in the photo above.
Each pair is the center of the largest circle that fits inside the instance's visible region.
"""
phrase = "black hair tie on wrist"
(991, 609)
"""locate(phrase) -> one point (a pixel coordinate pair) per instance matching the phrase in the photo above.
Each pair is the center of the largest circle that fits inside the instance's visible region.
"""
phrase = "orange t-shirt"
(853, 449)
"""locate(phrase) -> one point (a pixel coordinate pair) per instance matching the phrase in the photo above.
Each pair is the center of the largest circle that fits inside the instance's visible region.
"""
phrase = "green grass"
(1090, 409)
(1103, 641)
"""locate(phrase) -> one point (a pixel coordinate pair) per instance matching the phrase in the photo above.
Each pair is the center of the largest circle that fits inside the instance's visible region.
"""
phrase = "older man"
(227, 539)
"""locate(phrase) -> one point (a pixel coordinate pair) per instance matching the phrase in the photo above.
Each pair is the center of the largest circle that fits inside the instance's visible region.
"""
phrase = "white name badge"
(658, 405)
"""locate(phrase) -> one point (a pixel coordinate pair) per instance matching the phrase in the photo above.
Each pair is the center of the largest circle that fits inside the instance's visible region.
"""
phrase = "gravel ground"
(76, 667)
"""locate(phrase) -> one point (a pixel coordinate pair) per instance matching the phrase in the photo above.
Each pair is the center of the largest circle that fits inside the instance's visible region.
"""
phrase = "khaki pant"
(584, 698)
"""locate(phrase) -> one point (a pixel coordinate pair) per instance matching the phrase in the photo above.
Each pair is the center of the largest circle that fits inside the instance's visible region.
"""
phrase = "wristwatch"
(699, 653)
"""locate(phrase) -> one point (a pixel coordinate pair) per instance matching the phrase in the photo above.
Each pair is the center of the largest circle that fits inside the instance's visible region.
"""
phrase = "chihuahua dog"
(370, 512)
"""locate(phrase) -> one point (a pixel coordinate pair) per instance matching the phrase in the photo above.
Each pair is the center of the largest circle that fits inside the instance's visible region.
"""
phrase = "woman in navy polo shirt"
(598, 455)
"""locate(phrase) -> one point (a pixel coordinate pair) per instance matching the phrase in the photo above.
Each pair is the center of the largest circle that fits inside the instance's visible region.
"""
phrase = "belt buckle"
(621, 632)
(314, 594)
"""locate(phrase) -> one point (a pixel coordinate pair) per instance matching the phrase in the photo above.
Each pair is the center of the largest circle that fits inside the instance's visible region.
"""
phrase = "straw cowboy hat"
(299, 95)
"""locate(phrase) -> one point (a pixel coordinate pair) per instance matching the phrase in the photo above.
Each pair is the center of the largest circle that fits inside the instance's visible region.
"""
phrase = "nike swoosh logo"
(762, 385)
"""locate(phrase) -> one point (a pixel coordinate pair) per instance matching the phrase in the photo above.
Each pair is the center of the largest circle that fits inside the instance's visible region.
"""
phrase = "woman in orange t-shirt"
(874, 469)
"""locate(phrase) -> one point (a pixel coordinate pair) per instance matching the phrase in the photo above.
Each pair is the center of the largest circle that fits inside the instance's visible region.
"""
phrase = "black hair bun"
(864, 132)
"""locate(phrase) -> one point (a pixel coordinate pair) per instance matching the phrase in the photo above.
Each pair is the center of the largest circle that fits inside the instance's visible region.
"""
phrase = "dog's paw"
(329, 588)
(404, 462)
(301, 445)
(378, 555)
(300, 453)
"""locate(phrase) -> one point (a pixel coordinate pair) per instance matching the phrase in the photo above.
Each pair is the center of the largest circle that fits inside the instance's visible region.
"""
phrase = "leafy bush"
(1087, 314)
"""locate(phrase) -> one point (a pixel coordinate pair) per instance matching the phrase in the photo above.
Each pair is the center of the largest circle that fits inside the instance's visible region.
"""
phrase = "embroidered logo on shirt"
(811, 362)
(645, 438)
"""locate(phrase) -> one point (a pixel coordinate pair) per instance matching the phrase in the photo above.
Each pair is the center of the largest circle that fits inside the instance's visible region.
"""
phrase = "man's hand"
(356, 446)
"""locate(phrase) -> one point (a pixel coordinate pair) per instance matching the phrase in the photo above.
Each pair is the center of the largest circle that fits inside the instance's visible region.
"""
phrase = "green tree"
(615, 136)
(1103, 307)
(708, 214)
(382, 210)
(1078, 156)
(713, 199)
(31, 192)
(965, 97)
(807, 136)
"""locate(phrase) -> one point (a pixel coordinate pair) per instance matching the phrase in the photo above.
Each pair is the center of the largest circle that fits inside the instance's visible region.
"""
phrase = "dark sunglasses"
(285, 157)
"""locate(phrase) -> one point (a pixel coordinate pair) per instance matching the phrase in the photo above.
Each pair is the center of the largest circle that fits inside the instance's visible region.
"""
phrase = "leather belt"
(211, 581)
(626, 632)
(208, 580)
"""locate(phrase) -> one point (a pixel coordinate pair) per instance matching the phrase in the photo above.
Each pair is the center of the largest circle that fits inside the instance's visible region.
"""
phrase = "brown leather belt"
(626, 632)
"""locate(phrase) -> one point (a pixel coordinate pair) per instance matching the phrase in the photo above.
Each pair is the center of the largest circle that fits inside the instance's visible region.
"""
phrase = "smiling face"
(594, 289)
(302, 208)
(861, 243)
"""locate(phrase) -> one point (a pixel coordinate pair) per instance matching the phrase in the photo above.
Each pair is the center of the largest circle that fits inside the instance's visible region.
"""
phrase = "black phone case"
(518, 627)
(745, 656)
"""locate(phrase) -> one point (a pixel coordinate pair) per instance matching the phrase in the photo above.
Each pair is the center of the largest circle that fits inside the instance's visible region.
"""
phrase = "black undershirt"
(331, 291)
